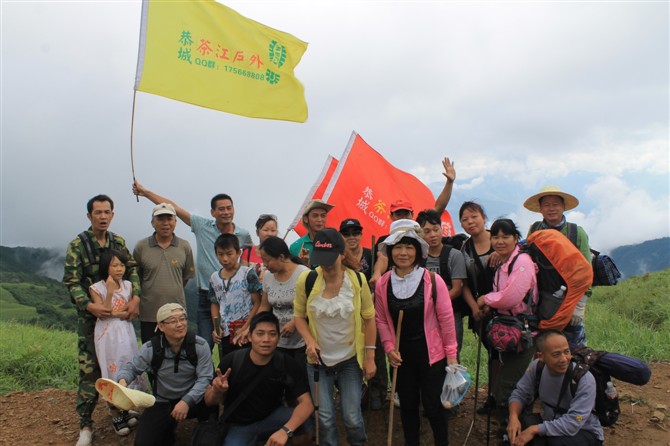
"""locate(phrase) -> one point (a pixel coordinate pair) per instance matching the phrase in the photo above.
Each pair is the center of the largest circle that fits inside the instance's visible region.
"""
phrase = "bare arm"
(381, 265)
(142, 191)
(370, 332)
(444, 197)
(265, 304)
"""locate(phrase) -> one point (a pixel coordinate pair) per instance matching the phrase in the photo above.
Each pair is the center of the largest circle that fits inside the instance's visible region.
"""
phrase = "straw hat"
(123, 397)
(404, 228)
(533, 203)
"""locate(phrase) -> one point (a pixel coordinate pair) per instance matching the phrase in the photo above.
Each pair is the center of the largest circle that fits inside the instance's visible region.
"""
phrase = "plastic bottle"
(610, 391)
(560, 293)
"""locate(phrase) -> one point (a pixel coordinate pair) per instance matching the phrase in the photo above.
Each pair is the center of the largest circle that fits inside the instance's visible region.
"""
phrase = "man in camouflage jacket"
(81, 271)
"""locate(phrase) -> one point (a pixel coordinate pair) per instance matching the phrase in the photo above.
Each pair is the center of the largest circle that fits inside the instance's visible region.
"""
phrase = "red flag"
(315, 193)
(364, 185)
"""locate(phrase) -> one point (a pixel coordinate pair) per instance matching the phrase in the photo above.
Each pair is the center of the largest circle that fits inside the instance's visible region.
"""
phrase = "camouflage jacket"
(77, 264)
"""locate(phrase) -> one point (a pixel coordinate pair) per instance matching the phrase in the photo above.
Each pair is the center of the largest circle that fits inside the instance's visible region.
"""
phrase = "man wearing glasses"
(206, 231)
(179, 386)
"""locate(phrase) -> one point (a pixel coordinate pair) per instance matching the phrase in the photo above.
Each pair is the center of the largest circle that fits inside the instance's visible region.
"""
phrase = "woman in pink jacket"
(428, 337)
(509, 296)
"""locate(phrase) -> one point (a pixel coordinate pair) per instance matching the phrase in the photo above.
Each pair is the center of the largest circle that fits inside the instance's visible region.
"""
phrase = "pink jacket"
(438, 324)
(509, 290)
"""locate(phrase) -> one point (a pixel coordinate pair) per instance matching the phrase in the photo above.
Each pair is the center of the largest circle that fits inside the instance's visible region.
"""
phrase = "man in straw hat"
(179, 386)
(255, 383)
(551, 202)
(314, 217)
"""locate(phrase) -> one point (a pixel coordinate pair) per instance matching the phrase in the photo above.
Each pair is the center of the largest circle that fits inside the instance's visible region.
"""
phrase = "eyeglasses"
(351, 233)
(175, 321)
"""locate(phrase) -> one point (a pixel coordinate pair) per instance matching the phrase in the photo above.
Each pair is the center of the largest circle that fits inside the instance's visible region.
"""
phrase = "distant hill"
(645, 257)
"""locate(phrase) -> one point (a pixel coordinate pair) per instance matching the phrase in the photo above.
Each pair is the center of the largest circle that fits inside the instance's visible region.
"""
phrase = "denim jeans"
(205, 325)
(349, 377)
(248, 435)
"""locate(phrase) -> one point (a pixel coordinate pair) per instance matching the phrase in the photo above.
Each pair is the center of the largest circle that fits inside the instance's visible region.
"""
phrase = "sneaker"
(488, 407)
(85, 437)
(130, 417)
(120, 426)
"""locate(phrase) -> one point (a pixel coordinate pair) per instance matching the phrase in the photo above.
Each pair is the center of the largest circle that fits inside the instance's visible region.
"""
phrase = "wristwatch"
(288, 431)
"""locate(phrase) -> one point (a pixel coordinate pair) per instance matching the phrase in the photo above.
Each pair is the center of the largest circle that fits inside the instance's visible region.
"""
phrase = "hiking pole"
(389, 440)
(479, 356)
(316, 401)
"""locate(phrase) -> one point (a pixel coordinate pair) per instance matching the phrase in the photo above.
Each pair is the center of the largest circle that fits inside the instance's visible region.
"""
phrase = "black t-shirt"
(289, 381)
(413, 308)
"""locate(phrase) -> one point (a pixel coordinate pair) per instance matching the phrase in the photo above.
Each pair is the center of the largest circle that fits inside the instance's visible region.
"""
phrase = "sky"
(519, 94)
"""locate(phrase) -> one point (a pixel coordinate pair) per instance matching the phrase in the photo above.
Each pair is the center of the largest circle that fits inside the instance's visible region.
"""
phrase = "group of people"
(294, 326)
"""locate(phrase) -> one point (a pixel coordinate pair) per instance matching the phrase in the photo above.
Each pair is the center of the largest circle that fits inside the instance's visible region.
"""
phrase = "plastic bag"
(456, 385)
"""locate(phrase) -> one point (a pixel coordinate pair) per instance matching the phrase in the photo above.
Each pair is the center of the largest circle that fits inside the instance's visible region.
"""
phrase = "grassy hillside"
(632, 318)
(37, 300)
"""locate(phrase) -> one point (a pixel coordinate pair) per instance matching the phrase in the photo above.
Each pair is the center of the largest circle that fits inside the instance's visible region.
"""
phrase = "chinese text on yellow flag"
(204, 53)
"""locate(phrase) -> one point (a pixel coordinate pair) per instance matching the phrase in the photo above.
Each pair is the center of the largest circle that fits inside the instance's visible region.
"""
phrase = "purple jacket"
(437, 323)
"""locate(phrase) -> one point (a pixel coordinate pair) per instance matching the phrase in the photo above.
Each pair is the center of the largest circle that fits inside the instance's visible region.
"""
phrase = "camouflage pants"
(89, 370)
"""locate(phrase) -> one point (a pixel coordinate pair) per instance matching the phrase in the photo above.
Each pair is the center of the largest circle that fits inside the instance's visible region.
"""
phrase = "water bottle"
(560, 293)
(610, 391)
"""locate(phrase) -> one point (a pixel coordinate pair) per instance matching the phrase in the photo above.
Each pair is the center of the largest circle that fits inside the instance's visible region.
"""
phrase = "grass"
(12, 310)
(632, 318)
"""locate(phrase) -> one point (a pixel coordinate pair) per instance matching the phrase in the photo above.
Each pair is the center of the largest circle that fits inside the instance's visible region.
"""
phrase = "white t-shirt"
(280, 297)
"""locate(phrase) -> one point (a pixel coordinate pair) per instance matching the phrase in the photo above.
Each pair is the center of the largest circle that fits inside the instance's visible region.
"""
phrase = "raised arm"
(444, 197)
(142, 191)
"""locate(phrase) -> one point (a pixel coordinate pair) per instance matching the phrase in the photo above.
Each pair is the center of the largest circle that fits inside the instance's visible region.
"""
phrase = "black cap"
(350, 223)
(328, 245)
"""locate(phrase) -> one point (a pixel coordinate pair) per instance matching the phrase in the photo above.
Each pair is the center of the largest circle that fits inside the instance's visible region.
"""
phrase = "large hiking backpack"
(605, 272)
(158, 345)
(559, 264)
(603, 366)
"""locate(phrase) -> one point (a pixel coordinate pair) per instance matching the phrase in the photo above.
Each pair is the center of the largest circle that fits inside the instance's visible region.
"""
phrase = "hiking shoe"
(130, 417)
(85, 437)
(488, 407)
(396, 400)
(120, 426)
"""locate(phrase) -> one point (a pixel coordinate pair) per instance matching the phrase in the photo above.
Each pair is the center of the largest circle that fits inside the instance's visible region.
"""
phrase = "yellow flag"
(204, 53)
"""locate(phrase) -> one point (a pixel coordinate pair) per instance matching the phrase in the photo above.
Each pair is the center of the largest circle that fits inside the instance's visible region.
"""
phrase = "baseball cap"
(328, 245)
(351, 224)
(163, 209)
(169, 310)
(401, 204)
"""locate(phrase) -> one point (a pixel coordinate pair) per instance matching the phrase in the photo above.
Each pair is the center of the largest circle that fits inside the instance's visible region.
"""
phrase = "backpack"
(559, 263)
(445, 271)
(605, 272)
(87, 242)
(607, 409)
(158, 344)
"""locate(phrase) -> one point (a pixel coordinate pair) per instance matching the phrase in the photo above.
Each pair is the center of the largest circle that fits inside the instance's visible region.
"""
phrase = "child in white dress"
(115, 339)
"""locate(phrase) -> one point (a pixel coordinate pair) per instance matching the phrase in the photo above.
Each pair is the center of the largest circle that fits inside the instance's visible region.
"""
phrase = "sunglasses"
(351, 233)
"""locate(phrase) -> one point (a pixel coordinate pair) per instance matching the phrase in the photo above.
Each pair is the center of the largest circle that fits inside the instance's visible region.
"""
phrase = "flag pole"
(132, 145)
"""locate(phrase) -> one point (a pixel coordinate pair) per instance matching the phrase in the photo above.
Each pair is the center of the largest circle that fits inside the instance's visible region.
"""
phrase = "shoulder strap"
(191, 353)
(538, 376)
(444, 263)
(572, 233)
(238, 359)
(433, 291)
(309, 282)
(86, 241)
(112, 241)
(157, 359)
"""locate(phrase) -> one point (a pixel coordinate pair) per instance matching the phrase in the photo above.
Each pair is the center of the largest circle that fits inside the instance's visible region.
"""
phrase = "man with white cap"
(180, 385)
(314, 216)
(165, 264)
(551, 202)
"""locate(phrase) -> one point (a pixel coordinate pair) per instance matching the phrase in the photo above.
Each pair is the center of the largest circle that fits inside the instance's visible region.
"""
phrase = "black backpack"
(87, 242)
(586, 360)
(158, 344)
(311, 280)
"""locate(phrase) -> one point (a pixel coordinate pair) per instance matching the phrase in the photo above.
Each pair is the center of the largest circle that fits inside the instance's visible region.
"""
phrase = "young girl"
(115, 340)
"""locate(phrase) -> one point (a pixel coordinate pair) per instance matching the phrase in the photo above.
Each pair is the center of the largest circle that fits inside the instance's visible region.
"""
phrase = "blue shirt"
(206, 233)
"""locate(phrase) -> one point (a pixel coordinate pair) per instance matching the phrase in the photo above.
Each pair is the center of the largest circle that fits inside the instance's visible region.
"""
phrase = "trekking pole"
(474, 410)
(389, 440)
(316, 400)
